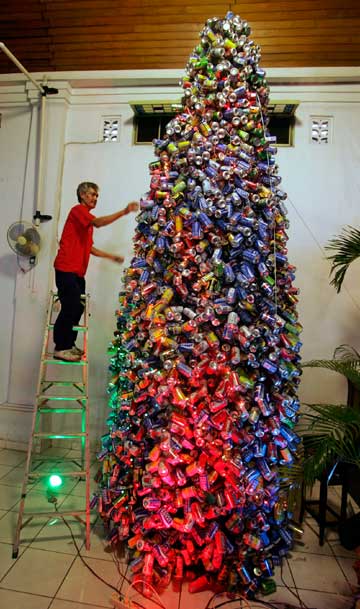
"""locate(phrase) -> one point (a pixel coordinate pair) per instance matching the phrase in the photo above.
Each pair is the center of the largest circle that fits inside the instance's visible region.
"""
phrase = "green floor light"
(55, 481)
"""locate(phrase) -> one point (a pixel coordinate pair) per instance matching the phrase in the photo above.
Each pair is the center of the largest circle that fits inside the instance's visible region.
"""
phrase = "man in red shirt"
(71, 262)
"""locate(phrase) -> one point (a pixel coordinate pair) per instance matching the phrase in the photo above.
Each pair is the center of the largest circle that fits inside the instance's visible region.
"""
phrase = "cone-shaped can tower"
(206, 357)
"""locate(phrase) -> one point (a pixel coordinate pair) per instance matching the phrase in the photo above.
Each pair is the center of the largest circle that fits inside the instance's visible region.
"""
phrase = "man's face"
(89, 198)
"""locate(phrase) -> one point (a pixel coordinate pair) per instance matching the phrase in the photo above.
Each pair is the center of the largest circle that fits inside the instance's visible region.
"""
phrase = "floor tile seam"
(76, 603)
(66, 496)
(337, 555)
(19, 488)
(343, 572)
(83, 544)
(293, 552)
(65, 575)
(294, 591)
(15, 561)
(334, 542)
(40, 513)
(29, 593)
(322, 555)
(124, 563)
(103, 581)
(33, 513)
(300, 589)
(6, 512)
(324, 592)
(38, 533)
(314, 529)
(55, 537)
(47, 550)
(282, 576)
(341, 556)
(11, 485)
(86, 557)
(55, 551)
(75, 553)
(22, 544)
(27, 547)
(7, 543)
(12, 466)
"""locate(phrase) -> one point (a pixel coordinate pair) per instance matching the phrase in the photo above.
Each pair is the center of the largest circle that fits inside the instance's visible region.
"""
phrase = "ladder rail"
(33, 426)
(41, 400)
(86, 415)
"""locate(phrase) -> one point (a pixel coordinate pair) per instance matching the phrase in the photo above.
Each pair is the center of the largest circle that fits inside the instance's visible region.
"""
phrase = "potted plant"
(331, 432)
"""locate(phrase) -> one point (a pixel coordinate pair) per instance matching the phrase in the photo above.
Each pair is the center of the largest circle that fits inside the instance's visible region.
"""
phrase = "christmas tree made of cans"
(205, 360)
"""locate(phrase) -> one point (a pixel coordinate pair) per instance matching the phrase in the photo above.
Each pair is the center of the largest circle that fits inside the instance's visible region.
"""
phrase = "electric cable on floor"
(257, 601)
(127, 600)
(244, 600)
(116, 562)
(296, 594)
(83, 560)
(96, 574)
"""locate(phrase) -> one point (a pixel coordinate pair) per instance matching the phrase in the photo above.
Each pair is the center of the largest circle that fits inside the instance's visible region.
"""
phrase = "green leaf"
(350, 368)
(330, 432)
(346, 249)
(346, 352)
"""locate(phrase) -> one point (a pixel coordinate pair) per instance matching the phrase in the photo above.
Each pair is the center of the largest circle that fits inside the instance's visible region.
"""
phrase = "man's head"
(87, 193)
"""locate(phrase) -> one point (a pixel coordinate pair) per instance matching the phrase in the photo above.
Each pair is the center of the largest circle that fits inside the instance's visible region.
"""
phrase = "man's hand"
(118, 259)
(132, 206)
(105, 220)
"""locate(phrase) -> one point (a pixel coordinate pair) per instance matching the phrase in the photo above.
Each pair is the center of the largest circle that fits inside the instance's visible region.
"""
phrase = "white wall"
(16, 162)
(322, 183)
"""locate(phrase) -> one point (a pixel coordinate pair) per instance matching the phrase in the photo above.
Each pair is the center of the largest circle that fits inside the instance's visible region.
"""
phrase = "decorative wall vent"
(321, 129)
(110, 131)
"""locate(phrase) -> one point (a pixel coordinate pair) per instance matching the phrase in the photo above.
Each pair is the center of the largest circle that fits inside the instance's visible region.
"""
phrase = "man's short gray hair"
(84, 187)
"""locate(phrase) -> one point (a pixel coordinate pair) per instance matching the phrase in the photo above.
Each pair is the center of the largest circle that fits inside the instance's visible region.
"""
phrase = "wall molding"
(141, 78)
(110, 88)
(24, 408)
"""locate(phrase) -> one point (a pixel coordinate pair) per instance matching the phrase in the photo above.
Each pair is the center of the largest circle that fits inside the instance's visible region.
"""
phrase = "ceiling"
(63, 35)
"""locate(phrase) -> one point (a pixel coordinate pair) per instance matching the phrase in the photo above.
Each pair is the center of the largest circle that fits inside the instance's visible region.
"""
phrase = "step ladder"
(56, 397)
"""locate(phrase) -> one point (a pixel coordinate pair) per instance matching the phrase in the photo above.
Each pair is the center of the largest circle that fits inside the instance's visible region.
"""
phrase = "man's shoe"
(76, 349)
(67, 355)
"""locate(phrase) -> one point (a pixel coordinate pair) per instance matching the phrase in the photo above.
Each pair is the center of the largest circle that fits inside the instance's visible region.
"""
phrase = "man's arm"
(105, 220)
(95, 252)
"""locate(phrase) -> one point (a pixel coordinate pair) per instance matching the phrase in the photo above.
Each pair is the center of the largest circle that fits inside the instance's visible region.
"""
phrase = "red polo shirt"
(76, 241)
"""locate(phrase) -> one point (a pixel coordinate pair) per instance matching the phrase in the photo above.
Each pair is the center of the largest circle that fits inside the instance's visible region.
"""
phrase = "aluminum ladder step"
(50, 359)
(61, 436)
(60, 410)
(64, 398)
(79, 474)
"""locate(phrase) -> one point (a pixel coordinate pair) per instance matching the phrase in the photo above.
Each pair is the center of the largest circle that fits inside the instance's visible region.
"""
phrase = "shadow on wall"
(8, 265)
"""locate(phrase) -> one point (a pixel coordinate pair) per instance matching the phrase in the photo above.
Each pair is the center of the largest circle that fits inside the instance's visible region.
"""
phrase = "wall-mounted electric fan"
(24, 239)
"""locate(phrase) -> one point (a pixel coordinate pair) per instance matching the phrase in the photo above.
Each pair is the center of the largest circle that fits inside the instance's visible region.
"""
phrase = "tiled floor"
(48, 574)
